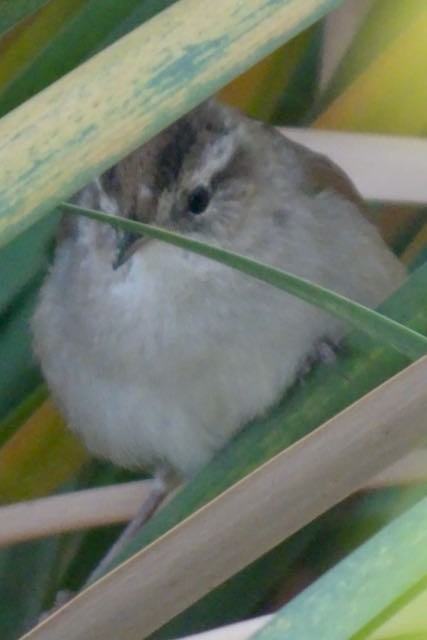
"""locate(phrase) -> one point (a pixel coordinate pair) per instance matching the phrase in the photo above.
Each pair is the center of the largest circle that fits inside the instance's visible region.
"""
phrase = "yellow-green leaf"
(39, 457)
(383, 87)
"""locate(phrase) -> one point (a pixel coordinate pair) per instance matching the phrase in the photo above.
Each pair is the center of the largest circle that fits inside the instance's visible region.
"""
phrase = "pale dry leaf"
(254, 515)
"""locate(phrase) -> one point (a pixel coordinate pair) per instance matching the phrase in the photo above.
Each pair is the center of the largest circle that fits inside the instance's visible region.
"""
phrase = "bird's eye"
(198, 199)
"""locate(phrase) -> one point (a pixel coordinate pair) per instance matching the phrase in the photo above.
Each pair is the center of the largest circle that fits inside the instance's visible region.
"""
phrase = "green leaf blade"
(378, 326)
(361, 586)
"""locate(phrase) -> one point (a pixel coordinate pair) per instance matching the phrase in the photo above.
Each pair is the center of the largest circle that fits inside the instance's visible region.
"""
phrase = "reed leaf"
(374, 85)
(355, 596)
(56, 142)
(12, 11)
(384, 329)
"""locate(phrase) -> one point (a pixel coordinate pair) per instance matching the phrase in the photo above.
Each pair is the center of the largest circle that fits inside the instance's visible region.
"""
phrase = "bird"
(157, 356)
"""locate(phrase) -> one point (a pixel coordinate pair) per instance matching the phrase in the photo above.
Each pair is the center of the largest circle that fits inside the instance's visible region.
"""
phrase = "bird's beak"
(127, 244)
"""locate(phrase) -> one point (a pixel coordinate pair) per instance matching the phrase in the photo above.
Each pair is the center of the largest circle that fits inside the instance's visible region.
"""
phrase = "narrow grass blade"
(12, 11)
(21, 46)
(82, 27)
(380, 327)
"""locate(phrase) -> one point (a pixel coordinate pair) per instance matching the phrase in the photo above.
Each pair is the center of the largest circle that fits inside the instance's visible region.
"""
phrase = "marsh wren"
(157, 356)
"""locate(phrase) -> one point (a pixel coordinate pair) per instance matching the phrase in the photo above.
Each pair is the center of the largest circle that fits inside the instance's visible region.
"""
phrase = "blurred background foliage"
(362, 69)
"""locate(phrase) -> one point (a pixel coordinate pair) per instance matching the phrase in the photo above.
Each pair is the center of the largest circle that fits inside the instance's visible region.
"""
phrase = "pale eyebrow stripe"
(106, 202)
(217, 157)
